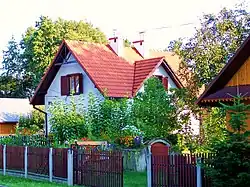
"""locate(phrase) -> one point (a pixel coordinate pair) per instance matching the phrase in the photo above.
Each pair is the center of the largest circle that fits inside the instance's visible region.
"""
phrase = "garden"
(122, 123)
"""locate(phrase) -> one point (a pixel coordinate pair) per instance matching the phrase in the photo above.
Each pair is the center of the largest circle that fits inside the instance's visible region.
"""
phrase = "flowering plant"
(131, 136)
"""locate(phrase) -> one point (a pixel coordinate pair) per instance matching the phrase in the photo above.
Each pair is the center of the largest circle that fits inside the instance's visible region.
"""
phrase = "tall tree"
(38, 46)
(153, 111)
(13, 81)
(205, 54)
(213, 43)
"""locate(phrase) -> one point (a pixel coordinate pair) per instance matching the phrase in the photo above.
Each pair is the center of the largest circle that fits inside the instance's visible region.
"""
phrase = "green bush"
(153, 112)
(68, 120)
(31, 124)
(107, 117)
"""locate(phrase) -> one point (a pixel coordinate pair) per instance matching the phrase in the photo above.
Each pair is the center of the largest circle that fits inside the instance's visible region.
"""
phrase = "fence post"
(149, 172)
(198, 177)
(25, 161)
(4, 159)
(50, 164)
(70, 167)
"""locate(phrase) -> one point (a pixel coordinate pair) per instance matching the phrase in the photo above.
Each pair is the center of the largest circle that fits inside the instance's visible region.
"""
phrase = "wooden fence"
(34, 161)
(38, 160)
(15, 158)
(179, 170)
(74, 166)
(60, 162)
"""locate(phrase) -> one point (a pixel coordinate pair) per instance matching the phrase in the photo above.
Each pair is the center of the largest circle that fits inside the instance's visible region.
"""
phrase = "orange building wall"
(242, 77)
(7, 128)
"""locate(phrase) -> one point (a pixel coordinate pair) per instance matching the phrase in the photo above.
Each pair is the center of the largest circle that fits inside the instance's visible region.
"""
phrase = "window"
(164, 81)
(72, 84)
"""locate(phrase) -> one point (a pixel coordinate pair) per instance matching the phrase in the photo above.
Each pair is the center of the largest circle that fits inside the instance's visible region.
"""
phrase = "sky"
(128, 17)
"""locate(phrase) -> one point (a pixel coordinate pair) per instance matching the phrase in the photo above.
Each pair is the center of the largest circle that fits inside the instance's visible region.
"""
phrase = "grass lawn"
(131, 179)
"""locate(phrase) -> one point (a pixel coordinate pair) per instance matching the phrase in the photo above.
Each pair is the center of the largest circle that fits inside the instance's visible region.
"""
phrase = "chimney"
(140, 45)
(116, 43)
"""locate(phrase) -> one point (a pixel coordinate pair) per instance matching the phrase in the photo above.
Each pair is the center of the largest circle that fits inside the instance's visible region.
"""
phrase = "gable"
(242, 76)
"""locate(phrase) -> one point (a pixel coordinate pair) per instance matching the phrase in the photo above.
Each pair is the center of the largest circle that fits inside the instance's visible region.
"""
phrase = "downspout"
(46, 120)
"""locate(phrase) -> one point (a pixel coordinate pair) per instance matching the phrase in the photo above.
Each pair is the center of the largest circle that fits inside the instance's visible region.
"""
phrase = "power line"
(166, 27)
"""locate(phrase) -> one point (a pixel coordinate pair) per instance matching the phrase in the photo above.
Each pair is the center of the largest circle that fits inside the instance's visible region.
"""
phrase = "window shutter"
(64, 85)
(165, 82)
(80, 83)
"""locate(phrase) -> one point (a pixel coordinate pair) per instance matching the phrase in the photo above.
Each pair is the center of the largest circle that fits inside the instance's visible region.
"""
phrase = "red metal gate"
(98, 169)
(173, 171)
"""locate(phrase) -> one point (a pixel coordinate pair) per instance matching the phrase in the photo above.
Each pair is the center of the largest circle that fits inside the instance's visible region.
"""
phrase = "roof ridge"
(159, 57)
(84, 42)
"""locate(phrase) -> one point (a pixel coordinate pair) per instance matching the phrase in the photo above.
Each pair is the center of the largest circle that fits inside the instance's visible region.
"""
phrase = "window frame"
(74, 75)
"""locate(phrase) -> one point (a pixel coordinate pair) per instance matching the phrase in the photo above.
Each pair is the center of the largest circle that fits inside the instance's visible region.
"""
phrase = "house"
(111, 70)
(10, 111)
(233, 80)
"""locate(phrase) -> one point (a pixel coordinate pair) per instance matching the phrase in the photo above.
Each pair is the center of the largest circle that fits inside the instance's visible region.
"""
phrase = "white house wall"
(54, 91)
(161, 71)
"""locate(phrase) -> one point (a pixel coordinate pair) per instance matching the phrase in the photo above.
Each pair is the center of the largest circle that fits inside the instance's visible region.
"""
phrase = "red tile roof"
(111, 74)
(143, 70)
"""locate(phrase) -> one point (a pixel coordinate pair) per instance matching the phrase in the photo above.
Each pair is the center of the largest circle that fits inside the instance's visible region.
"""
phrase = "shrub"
(107, 117)
(153, 112)
(30, 124)
(68, 120)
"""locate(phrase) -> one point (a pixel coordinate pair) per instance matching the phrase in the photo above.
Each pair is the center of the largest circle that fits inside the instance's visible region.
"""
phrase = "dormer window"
(164, 80)
(72, 84)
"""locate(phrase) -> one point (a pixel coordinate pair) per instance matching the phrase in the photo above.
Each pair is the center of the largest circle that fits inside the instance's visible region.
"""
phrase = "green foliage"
(153, 111)
(203, 56)
(213, 126)
(213, 43)
(13, 81)
(68, 120)
(231, 165)
(25, 63)
(107, 117)
(131, 130)
(31, 124)
(29, 140)
(41, 42)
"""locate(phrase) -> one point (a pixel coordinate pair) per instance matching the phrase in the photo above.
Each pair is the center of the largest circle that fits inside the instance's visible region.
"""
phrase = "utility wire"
(166, 27)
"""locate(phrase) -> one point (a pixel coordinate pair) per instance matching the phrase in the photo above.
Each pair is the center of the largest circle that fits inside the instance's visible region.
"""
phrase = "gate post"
(4, 159)
(50, 164)
(198, 168)
(25, 161)
(70, 167)
(149, 171)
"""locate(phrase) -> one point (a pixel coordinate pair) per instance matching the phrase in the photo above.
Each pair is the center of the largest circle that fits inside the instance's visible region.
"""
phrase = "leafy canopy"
(213, 43)
(153, 111)
(26, 62)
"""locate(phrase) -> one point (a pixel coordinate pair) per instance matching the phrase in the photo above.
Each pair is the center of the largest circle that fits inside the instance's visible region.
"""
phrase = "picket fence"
(178, 170)
(72, 166)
